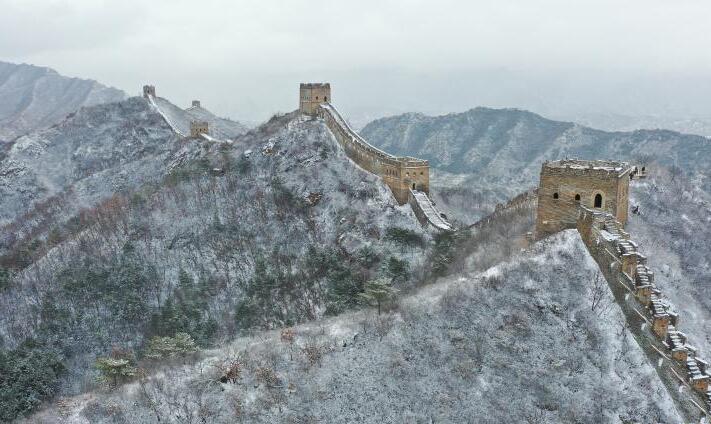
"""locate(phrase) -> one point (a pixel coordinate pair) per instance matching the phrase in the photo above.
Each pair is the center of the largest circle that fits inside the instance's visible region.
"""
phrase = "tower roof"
(609, 166)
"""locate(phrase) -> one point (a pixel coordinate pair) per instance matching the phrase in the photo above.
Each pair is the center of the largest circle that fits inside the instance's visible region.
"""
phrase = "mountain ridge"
(36, 97)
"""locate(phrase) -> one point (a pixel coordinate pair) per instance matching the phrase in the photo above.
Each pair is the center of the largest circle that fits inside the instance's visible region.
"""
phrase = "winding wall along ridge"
(407, 177)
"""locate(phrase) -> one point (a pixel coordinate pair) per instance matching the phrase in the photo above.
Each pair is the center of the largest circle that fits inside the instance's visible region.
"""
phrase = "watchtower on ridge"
(312, 95)
(567, 184)
(198, 127)
(149, 90)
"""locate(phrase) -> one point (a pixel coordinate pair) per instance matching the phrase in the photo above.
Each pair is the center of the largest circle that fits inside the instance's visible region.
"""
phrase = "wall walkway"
(407, 177)
(652, 319)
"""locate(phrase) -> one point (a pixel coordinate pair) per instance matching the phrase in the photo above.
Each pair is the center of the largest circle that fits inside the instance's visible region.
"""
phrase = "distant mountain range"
(483, 156)
(491, 142)
(35, 97)
(616, 122)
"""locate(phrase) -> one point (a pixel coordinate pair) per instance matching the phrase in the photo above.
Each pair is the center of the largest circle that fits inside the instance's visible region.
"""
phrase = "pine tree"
(377, 292)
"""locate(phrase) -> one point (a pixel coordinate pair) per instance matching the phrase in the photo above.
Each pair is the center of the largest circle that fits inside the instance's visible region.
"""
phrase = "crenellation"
(401, 174)
(620, 262)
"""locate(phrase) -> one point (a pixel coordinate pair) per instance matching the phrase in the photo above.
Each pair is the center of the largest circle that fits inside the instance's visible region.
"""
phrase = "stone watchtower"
(567, 184)
(149, 90)
(198, 127)
(311, 95)
(196, 103)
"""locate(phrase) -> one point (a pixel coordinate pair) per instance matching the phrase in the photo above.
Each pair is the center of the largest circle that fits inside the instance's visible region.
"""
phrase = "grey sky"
(244, 59)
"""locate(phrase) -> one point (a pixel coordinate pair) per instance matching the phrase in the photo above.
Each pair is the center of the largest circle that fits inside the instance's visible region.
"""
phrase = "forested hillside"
(273, 229)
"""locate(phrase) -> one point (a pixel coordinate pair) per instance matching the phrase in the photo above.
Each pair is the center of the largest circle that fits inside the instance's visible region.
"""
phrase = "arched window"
(577, 197)
(555, 195)
(413, 186)
(643, 169)
(598, 200)
(325, 98)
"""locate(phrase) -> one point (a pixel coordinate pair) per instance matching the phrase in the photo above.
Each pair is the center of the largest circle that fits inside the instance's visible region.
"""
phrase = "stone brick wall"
(312, 95)
(401, 174)
(566, 185)
(198, 127)
(651, 317)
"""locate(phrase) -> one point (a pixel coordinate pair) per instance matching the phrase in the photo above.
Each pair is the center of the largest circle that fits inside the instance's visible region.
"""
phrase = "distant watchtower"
(149, 90)
(311, 95)
(567, 184)
(198, 127)
(196, 103)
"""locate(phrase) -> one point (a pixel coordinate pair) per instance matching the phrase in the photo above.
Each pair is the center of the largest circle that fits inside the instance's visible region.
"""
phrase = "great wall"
(589, 196)
(408, 178)
(592, 197)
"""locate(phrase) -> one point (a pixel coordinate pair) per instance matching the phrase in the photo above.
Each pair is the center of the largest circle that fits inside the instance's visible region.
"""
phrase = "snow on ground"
(219, 128)
(518, 343)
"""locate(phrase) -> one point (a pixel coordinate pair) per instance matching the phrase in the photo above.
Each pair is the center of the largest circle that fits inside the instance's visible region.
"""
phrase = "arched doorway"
(598, 200)
(577, 197)
(413, 186)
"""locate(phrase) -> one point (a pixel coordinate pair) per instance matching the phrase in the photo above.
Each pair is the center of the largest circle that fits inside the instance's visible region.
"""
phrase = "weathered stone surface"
(565, 185)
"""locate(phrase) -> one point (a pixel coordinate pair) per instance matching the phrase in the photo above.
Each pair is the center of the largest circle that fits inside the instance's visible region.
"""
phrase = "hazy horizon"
(245, 60)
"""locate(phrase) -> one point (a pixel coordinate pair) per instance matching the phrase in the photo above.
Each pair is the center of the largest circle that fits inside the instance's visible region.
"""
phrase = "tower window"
(555, 195)
(598, 200)
(577, 197)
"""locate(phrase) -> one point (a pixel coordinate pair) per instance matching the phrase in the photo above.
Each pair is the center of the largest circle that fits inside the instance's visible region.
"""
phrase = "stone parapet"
(622, 264)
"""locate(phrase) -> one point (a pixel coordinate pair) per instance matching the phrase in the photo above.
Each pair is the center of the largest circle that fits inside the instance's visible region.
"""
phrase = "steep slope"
(520, 342)
(33, 97)
(220, 128)
(483, 156)
(90, 155)
(276, 228)
(673, 227)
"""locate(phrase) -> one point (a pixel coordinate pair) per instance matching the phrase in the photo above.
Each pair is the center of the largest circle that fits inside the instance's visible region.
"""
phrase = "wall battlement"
(401, 174)
(627, 273)
(408, 178)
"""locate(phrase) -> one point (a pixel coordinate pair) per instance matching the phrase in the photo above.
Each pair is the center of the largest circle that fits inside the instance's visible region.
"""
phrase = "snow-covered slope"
(220, 128)
(673, 231)
(517, 343)
(279, 227)
(33, 97)
(98, 151)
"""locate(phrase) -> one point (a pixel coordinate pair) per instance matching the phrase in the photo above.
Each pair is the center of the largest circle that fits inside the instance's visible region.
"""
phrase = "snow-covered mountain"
(116, 229)
(484, 156)
(95, 152)
(520, 342)
(616, 122)
(272, 229)
(220, 128)
(33, 97)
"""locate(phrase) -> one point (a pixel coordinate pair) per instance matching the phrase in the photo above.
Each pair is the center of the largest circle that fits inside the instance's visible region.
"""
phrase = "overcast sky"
(244, 59)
